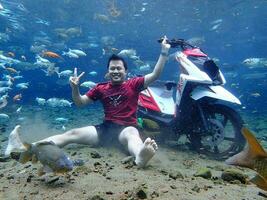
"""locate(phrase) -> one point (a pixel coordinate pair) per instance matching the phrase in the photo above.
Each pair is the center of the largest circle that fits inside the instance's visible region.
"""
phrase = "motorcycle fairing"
(202, 63)
(194, 52)
(215, 92)
(191, 68)
(160, 97)
(183, 81)
(147, 101)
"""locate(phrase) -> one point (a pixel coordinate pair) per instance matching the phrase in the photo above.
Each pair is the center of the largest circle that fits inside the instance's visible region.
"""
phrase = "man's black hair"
(116, 57)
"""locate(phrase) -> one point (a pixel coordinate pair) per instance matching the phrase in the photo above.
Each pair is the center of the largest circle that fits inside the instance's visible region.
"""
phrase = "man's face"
(116, 71)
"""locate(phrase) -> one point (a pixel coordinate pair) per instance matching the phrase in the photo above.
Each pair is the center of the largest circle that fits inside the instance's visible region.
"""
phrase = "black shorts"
(108, 132)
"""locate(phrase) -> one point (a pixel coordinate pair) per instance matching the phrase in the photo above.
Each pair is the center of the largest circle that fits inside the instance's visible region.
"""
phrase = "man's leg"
(85, 135)
(142, 152)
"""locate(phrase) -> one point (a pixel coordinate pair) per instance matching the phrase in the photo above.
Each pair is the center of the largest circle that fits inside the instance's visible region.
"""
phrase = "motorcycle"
(198, 106)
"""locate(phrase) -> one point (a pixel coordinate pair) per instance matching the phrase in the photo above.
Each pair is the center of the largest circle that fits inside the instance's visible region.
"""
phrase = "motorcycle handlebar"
(175, 43)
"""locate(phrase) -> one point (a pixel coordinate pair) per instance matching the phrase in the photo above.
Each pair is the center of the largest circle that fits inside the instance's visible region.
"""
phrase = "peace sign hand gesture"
(75, 80)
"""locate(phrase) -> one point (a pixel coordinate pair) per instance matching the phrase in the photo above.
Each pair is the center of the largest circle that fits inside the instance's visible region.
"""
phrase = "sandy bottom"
(108, 178)
(169, 175)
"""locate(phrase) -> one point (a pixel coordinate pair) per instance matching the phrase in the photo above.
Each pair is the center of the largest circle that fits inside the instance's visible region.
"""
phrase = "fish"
(50, 54)
(215, 27)
(42, 60)
(108, 40)
(127, 53)
(11, 54)
(93, 73)
(56, 102)
(41, 21)
(2, 66)
(4, 89)
(217, 21)
(40, 101)
(65, 73)
(253, 157)
(3, 101)
(51, 69)
(88, 84)
(70, 54)
(255, 94)
(37, 49)
(6, 83)
(101, 17)
(17, 97)
(17, 77)
(12, 70)
(53, 159)
(23, 58)
(19, 109)
(4, 117)
(61, 120)
(255, 62)
(74, 32)
(145, 67)
(22, 85)
(77, 52)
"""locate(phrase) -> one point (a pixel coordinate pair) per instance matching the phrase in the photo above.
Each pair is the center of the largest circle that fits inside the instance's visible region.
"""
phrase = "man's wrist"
(164, 54)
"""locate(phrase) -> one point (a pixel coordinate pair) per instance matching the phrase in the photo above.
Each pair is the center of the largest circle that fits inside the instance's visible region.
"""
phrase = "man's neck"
(117, 83)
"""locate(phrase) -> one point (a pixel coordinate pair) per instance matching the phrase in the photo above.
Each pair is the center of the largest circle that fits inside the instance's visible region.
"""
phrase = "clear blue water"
(240, 33)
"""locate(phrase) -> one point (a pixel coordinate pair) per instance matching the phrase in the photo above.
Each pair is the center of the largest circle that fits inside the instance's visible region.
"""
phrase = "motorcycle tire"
(236, 139)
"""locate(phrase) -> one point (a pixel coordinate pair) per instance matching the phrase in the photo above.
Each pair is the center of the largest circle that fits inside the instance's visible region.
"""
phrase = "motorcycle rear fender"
(215, 92)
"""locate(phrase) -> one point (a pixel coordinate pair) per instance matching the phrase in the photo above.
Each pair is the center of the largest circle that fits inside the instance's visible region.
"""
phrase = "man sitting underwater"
(119, 97)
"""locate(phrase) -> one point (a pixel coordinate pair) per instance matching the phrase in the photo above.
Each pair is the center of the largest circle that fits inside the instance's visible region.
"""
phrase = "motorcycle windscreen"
(204, 63)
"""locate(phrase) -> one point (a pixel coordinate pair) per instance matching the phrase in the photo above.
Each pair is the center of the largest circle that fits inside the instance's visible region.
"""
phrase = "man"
(119, 98)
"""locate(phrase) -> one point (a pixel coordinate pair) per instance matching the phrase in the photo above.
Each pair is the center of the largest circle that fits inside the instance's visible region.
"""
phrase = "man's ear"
(107, 76)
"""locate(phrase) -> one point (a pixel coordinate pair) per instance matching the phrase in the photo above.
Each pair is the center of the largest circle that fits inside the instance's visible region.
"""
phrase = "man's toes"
(17, 127)
(147, 141)
(155, 146)
(153, 142)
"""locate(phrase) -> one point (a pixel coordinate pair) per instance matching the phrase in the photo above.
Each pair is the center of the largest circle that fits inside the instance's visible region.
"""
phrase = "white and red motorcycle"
(198, 106)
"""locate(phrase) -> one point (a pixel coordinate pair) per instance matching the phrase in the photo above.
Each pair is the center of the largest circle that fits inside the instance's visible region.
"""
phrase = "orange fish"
(17, 97)
(254, 157)
(12, 70)
(50, 54)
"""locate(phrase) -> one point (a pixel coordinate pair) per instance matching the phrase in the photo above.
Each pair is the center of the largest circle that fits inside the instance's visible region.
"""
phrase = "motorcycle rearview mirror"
(173, 42)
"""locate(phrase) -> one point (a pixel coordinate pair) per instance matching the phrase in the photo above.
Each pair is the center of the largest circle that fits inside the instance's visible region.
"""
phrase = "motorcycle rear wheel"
(223, 138)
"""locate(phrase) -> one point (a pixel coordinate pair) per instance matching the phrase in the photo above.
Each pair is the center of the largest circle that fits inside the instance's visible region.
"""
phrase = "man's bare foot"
(146, 153)
(14, 142)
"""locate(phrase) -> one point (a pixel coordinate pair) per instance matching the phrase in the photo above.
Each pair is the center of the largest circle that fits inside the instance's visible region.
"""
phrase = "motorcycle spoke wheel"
(224, 137)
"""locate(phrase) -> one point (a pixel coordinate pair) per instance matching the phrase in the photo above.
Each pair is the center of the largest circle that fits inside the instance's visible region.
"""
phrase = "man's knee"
(72, 132)
(86, 135)
(128, 133)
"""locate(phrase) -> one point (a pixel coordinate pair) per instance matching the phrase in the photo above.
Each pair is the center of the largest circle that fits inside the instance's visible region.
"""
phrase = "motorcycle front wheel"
(223, 137)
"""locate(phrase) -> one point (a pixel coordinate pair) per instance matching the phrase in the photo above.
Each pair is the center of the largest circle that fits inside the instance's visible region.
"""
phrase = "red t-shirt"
(119, 101)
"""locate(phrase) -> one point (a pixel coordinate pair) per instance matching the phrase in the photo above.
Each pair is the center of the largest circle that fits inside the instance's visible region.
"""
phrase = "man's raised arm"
(149, 78)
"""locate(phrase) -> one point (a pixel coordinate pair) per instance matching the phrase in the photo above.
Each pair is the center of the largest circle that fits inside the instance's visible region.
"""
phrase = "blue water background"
(241, 34)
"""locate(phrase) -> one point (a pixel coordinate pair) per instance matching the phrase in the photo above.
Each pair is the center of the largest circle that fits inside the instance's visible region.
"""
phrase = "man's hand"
(165, 46)
(75, 80)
